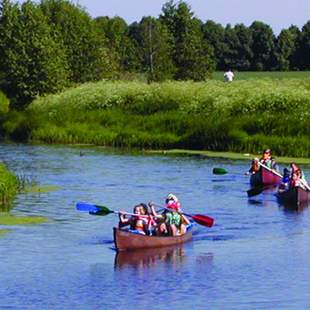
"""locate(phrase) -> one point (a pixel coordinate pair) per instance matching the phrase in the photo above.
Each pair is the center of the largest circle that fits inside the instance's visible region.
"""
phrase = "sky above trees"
(278, 14)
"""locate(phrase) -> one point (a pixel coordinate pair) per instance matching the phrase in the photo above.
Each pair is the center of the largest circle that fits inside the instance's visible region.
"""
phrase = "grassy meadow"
(244, 116)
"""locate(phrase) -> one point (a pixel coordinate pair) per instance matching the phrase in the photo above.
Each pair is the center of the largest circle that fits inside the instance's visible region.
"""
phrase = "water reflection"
(147, 258)
(287, 207)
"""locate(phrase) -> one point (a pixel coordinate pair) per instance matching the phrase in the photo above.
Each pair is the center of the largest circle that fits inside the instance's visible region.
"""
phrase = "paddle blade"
(101, 211)
(93, 209)
(203, 220)
(83, 206)
(255, 191)
(219, 171)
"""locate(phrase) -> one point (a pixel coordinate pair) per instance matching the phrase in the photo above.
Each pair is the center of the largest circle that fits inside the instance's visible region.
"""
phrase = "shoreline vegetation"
(8, 185)
(240, 117)
(226, 155)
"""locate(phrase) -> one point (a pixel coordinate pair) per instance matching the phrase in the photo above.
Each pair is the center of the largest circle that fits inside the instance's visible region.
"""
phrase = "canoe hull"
(296, 196)
(264, 177)
(128, 241)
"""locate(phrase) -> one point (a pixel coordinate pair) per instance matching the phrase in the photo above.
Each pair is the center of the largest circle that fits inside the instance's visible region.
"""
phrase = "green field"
(264, 75)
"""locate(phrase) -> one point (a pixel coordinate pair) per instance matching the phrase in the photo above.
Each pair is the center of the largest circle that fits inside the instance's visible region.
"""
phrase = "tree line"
(49, 45)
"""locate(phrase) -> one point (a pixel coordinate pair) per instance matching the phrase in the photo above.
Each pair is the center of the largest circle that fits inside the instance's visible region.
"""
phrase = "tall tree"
(214, 35)
(115, 31)
(230, 48)
(153, 44)
(192, 55)
(34, 64)
(263, 46)
(244, 53)
(85, 48)
(294, 58)
(285, 48)
(304, 47)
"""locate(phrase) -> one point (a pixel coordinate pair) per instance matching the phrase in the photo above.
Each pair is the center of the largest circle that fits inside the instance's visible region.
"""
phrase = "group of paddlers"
(292, 176)
(170, 221)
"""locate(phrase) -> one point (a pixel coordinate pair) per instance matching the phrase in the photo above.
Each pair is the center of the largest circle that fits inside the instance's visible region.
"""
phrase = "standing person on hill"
(229, 76)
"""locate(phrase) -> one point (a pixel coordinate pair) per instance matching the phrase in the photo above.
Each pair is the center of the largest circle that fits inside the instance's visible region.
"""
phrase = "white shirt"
(228, 76)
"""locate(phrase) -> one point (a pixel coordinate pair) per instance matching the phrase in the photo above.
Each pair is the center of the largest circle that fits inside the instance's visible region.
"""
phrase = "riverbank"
(226, 155)
(240, 117)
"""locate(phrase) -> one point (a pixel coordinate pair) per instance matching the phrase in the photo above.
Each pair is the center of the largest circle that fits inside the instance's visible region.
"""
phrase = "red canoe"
(294, 197)
(125, 240)
(265, 177)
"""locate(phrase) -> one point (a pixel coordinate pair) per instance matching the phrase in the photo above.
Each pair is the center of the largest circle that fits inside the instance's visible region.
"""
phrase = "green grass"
(245, 116)
(226, 155)
(8, 185)
(248, 75)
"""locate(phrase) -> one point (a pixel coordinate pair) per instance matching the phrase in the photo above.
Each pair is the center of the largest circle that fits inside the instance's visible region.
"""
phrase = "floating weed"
(8, 219)
(41, 189)
(4, 232)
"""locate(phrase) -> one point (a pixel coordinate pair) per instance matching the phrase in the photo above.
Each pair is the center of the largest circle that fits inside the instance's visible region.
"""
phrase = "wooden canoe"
(265, 177)
(295, 196)
(125, 240)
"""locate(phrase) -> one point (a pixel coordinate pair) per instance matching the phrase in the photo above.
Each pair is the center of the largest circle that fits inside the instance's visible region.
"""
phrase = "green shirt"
(173, 218)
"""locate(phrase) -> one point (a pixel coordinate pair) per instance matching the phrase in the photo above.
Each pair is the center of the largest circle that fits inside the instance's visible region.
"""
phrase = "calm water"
(257, 256)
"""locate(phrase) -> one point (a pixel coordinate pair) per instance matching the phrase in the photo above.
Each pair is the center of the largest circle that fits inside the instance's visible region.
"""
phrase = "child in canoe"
(297, 177)
(171, 222)
(139, 223)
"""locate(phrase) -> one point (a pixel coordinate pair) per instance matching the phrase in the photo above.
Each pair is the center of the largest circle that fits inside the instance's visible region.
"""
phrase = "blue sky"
(278, 14)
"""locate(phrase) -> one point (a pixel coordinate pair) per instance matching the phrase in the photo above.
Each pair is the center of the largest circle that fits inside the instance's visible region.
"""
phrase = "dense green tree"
(294, 57)
(192, 55)
(214, 35)
(263, 46)
(244, 43)
(237, 53)
(85, 46)
(229, 56)
(115, 31)
(304, 47)
(33, 63)
(285, 48)
(132, 60)
(153, 46)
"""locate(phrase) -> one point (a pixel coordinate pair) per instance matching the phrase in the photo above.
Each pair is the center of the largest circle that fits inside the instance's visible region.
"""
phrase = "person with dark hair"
(229, 76)
(138, 223)
(254, 167)
(297, 177)
(268, 160)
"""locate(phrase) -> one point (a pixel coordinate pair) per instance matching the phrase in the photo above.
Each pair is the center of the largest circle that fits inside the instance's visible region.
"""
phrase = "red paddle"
(201, 219)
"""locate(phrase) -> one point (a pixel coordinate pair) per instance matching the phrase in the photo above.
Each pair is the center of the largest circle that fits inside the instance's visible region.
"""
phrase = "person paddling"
(139, 222)
(268, 160)
(171, 222)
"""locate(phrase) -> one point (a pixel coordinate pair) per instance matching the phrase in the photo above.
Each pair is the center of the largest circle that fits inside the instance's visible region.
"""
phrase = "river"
(256, 256)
